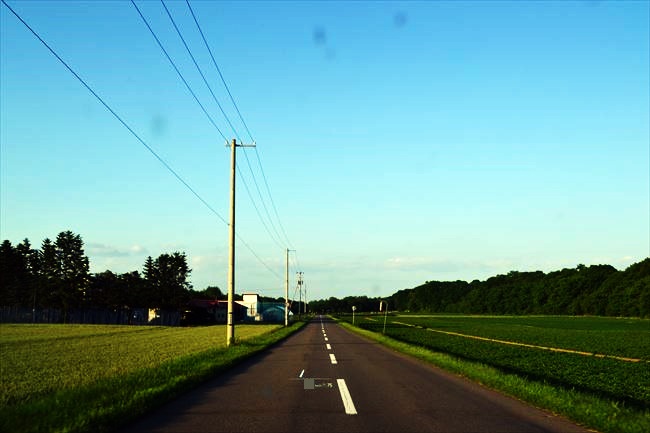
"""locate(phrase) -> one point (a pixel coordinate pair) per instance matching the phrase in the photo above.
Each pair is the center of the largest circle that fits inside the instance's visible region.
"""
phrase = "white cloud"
(138, 249)
(104, 250)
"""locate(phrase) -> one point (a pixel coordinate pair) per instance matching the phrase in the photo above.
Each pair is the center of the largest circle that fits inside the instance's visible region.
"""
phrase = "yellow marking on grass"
(532, 346)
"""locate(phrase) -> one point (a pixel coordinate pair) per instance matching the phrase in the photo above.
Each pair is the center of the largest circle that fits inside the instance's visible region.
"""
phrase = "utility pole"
(299, 295)
(305, 286)
(230, 323)
(286, 293)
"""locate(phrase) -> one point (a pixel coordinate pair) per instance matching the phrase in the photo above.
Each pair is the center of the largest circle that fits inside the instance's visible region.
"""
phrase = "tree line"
(57, 276)
(585, 290)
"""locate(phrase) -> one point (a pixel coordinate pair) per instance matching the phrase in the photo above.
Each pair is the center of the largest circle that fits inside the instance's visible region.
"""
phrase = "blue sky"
(401, 141)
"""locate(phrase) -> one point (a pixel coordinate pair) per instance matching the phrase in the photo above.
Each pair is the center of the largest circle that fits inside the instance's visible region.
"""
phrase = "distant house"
(250, 309)
(275, 314)
(259, 311)
(209, 312)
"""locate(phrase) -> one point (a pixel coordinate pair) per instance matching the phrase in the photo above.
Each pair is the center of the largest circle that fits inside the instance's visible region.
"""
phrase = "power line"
(198, 68)
(205, 81)
(250, 135)
(256, 208)
(149, 148)
(189, 88)
(275, 209)
(214, 62)
(177, 70)
(255, 254)
(266, 209)
(117, 116)
(211, 120)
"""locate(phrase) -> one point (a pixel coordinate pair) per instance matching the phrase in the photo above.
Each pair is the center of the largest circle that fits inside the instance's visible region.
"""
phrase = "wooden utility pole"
(286, 293)
(230, 322)
(299, 295)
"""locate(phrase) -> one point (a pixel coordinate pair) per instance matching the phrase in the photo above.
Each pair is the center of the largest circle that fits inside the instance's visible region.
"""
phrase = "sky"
(397, 142)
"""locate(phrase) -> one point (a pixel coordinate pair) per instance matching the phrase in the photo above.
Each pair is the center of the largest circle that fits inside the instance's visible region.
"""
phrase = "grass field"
(521, 347)
(90, 377)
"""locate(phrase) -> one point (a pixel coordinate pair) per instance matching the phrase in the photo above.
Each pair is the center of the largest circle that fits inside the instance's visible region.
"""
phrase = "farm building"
(250, 308)
(260, 311)
(206, 312)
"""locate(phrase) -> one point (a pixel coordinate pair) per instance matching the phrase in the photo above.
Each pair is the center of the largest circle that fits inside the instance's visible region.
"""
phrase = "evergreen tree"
(74, 270)
(12, 271)
(50, 274)
(30, 290)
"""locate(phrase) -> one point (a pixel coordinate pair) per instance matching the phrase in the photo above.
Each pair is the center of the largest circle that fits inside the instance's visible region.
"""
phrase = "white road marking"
(345, 396)
(333, 358)
(301, 373)
(328, 346)
(327, 339)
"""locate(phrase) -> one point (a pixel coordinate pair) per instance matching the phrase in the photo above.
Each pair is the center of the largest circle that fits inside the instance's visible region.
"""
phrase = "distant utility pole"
(230, 328)
(286, 292)
(299, 295)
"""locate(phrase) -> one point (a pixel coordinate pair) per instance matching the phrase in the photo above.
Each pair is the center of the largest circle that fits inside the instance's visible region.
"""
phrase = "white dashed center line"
(345, 396)
(333, 358)
(328, 346)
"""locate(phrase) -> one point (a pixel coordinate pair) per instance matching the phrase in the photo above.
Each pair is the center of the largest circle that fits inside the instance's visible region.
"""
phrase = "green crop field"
(614, 378)
(91, 377)
(604, 335)
(595, 370)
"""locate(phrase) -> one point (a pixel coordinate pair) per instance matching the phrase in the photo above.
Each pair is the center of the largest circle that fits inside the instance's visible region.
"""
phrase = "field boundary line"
(532, 346)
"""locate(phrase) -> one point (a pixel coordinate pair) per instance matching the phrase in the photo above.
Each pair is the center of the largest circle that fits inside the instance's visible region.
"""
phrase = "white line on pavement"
(301, 373)
(328, 346)
(333, 358)
(345, 396)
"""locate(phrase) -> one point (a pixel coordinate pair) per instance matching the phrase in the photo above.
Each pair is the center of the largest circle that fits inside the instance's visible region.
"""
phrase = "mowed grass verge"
(591, 409)
(79, 378)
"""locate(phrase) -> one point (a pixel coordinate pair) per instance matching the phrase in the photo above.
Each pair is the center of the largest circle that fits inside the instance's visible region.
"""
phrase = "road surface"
(326, 379)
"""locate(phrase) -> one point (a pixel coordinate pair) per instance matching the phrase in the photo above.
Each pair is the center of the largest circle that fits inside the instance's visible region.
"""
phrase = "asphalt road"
(326, 379)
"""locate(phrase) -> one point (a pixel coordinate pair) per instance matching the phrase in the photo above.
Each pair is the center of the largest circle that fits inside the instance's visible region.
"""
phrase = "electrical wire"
(275, 209)
(214, 62)
(250, 135)
(149, 148)
(189, 88)
(198, 68)
(255, 254)
(214, 97)
(256, 209)
(117, 116)
(177, 70)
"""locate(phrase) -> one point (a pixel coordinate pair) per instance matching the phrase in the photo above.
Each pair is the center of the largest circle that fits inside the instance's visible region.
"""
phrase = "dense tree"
(597, 290)
(31, 292)
(115, 291)
(12, 274)
(57, 276)
(50, 273)
(210, 292)
(105, 290)
(74, 271)
(167, 280)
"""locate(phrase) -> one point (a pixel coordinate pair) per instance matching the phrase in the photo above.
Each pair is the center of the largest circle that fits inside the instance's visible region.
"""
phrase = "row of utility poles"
(230, 322)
